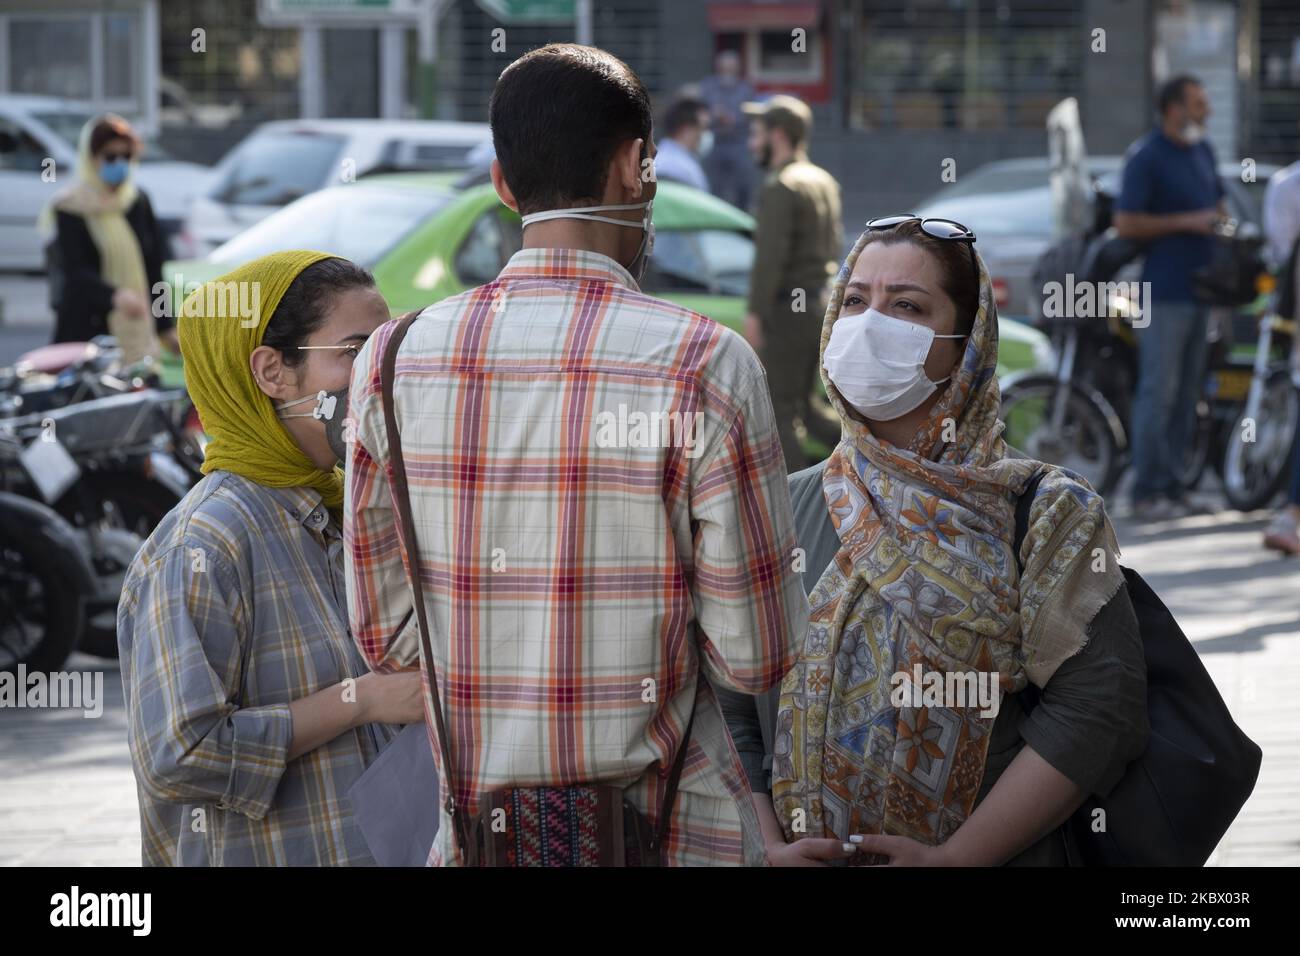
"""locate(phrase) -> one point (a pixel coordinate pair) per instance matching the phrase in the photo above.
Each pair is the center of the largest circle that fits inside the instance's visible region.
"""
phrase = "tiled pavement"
(67, 794)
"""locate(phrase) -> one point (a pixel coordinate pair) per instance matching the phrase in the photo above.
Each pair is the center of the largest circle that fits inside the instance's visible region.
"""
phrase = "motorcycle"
(55, 376)
(1079, 416)
(45, 582)
(108, 467)
(1257, 456)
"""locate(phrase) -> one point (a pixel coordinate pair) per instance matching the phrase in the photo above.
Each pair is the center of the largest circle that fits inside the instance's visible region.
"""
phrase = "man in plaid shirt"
(598, 489)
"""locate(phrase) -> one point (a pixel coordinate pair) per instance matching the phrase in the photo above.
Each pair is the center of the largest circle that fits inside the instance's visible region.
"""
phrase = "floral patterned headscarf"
(926, 577)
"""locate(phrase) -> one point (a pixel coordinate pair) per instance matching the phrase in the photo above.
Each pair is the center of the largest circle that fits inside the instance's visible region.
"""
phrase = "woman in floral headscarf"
(900, 735)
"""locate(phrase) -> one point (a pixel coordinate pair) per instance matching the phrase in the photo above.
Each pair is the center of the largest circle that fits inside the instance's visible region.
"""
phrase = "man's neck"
(575, 234)
(781, 157)
(1173, 132)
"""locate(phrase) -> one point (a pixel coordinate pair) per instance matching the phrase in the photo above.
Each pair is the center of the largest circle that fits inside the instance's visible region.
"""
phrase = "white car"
(286, 159)
(36, 128)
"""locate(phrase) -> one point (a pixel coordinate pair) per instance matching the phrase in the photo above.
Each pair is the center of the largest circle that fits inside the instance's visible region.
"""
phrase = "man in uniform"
(798, 246)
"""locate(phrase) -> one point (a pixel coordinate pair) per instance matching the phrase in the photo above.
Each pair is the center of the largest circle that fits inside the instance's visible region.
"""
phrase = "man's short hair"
(558, 114)
(683, 112)
(1174, 92)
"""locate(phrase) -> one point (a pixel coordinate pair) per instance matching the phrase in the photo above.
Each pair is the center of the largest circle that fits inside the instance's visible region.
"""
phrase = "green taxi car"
(424, 238)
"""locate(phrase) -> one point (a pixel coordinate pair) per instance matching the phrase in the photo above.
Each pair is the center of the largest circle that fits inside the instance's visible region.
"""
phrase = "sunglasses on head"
(936, 229)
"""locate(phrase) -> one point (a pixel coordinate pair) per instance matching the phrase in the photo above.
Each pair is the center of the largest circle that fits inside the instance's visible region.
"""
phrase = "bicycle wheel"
(1255, 471)
(1087, 442)
(1197, 454)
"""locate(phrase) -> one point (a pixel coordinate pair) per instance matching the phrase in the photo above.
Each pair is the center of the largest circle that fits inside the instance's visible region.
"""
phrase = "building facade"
(941, 83)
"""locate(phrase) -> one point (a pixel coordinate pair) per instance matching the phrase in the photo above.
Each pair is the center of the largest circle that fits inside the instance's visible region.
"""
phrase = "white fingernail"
(856, 838)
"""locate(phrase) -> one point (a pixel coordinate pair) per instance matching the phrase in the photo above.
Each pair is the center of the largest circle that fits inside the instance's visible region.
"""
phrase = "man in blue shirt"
(1171, 198)
(686, 135)
(729, 164)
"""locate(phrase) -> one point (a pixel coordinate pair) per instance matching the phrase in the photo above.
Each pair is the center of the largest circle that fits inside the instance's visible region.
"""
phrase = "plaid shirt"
(233, 608)
(580, 570)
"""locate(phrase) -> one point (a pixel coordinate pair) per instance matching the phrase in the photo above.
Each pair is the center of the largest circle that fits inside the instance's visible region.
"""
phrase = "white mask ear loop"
(947, 377)
(584, 212)
(320, 398)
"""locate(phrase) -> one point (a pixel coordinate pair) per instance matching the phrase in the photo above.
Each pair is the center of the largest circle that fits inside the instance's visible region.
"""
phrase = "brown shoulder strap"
(406, 521)
(674, 778)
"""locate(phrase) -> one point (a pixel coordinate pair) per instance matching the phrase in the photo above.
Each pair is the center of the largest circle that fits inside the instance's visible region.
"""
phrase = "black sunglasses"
(112, 157)
(936, 228)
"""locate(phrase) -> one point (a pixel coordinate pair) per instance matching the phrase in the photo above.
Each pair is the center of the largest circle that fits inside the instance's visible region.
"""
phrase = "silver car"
(36, 129)
(1008, 204)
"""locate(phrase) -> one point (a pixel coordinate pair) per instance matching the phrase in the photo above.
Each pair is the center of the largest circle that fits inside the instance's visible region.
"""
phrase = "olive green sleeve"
(771, 245)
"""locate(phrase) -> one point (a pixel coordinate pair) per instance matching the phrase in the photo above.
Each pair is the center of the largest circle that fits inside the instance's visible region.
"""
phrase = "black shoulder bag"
(1176, 801)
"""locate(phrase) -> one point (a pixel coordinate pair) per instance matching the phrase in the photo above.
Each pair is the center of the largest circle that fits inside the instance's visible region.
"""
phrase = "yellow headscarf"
(121, 263)
(220, 325)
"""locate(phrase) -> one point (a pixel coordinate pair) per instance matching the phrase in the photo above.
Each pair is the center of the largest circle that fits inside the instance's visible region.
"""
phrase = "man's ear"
(276, 379)
(502, 188)
(627, 167)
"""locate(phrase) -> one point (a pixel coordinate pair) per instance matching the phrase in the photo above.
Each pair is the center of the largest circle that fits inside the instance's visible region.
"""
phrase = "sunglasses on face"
(936, 229)
(114, 157)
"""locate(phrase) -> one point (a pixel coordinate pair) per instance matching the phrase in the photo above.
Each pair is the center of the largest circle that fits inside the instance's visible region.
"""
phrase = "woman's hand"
(810, 851)
(396, 698)
(902, 851)
(130, 303)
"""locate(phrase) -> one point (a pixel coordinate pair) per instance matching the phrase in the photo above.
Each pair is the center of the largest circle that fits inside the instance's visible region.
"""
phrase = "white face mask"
(643, 251)
(1193, 133)
(878, 363)
(706, 144)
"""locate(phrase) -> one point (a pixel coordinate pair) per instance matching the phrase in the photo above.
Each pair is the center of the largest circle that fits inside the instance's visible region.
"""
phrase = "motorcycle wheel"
(1197, 455)
(1087, 443)
(41, 612)
(1255, 471)
(118, 504)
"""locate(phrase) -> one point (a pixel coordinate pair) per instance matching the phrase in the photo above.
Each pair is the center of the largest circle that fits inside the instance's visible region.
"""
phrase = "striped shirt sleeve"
(189, 738)
(379, 601)
(749, 598)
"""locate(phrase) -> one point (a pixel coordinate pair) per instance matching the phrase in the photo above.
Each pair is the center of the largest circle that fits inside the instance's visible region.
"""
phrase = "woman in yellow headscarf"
(110, 250)
(251, 712)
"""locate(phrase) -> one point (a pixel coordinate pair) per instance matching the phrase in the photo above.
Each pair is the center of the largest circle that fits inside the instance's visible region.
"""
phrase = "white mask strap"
(319, 398)
(584, 212)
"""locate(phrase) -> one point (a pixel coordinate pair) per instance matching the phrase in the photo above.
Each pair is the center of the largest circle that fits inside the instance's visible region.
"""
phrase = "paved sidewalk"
(1240, 606)
(68, 796)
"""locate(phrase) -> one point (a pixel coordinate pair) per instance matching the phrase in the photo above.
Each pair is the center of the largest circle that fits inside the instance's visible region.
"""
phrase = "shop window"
(970, 65)
(121, 56)
(50, 56)
(773, 58)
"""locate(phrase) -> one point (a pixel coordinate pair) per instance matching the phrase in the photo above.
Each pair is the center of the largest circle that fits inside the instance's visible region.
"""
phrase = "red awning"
(730, 17)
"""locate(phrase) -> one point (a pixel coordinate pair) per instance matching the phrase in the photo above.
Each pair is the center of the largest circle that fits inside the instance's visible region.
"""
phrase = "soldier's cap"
(783, 112)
